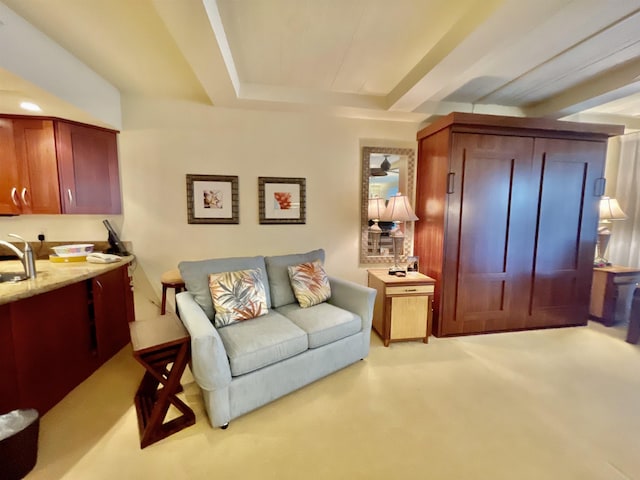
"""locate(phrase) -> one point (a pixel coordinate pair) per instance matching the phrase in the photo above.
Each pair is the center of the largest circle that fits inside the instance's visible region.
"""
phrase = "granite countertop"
(51, 276)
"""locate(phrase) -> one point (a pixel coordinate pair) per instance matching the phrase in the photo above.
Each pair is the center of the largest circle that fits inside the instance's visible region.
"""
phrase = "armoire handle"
(450, 182)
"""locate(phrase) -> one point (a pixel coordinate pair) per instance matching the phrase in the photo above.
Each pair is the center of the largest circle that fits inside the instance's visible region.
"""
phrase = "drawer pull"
(410, 289)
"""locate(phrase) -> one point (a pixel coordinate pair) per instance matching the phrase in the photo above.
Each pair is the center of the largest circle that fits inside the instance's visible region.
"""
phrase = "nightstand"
(402, 309)
(611, 293)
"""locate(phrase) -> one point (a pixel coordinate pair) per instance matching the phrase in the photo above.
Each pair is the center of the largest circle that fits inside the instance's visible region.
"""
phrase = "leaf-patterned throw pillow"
(237, 296)
(310, 283)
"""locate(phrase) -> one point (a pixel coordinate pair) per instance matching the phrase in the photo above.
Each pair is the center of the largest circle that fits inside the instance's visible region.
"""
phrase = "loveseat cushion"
(261, 341)
(196, 277)
(324, 323)
(279, 282)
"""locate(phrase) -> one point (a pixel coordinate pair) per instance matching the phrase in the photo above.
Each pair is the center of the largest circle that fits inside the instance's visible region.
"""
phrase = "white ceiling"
(406, 60)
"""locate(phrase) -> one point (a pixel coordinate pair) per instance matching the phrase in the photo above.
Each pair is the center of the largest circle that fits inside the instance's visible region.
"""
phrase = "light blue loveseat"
(243, 366)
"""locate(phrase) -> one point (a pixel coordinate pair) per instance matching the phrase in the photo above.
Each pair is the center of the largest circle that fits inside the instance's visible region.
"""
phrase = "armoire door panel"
(566, 230)
(563, 185)
(491, 232)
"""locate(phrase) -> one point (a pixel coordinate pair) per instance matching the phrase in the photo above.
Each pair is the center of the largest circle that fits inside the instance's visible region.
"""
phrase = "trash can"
(18, 443)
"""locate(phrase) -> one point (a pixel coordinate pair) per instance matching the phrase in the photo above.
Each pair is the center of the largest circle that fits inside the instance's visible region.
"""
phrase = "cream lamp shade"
(375, 210)
(398, 210)
(610, 209)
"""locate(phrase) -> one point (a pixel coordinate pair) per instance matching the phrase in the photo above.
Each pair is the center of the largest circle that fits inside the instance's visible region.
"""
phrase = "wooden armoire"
(508, 214)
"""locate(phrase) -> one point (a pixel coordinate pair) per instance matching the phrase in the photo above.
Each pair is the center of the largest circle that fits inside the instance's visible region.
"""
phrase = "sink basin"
(12, 277)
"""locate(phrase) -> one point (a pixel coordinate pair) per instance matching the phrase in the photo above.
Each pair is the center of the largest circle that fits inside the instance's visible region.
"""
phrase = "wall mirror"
(385, 172)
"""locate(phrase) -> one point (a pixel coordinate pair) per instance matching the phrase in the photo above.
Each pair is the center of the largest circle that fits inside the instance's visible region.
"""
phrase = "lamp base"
(601, 262)
(398, 271)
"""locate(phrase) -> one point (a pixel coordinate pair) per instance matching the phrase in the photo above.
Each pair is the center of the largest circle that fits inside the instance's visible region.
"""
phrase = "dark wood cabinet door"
(9, 195)
(52, 344)
(490, 231)
(38, 168)
(88, 165)
(567, 211)
(9, 395)
(112, 306)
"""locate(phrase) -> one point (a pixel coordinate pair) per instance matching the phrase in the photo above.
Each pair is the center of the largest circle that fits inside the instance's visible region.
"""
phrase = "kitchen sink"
(12, 277)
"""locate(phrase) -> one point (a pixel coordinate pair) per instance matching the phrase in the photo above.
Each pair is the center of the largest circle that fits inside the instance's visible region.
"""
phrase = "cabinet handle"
(70, 195)
(24, 196)
(599, 186)
(14, 196)
(410, 289)
(450, 179)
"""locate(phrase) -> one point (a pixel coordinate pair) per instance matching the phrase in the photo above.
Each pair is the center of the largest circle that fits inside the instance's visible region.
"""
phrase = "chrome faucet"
(26, 257)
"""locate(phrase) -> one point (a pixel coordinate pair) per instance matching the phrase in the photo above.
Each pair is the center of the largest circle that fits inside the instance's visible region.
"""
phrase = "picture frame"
(413, 264)
(282, 200)
(212, 199)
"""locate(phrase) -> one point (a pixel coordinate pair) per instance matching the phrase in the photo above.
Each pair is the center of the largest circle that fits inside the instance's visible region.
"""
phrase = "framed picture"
(212, 199)
(282, 200)
(413, 264)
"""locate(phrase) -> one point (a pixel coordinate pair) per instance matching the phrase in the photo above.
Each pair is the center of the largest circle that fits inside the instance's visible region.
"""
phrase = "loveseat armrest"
(357, 299)
(209, 363)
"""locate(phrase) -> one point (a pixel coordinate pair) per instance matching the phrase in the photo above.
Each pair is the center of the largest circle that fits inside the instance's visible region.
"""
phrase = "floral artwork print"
(282, 200)
(237, 296)
(213, 199)
(310, 283)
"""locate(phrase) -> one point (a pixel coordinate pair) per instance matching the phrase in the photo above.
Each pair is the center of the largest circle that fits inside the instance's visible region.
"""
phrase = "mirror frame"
(364, 189)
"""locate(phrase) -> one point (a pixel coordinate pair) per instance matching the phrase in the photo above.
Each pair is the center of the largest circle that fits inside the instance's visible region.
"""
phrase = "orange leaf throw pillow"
(310, 283)
(237, 296)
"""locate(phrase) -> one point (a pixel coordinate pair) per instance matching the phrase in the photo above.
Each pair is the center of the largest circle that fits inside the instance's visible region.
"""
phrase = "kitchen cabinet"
(37, 166)
(8, 375)
(508, 213)
(112, 298)
(52, 345)
(51, 342)
(29, 183)
(53, 166)
(88, 166)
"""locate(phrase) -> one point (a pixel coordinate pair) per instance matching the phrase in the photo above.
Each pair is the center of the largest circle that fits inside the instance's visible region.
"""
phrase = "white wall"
(162, 141)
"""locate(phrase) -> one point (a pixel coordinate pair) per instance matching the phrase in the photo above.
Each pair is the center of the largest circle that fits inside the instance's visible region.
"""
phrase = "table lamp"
(374, 212)
(609, 210)
(398, 210)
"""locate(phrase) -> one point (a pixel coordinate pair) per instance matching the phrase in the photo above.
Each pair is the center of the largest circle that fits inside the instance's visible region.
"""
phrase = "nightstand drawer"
(409, 290)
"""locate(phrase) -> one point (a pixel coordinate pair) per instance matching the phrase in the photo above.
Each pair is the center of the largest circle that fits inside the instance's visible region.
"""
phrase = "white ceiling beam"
(632, 123)
(429, 75)
(606, 87)
(190, 26)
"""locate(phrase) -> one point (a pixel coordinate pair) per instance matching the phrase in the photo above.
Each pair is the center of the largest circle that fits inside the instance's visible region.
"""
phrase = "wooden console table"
(611, 293)
(157, 343)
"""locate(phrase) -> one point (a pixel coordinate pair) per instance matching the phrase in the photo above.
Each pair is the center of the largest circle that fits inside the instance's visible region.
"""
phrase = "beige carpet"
(549, 404)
